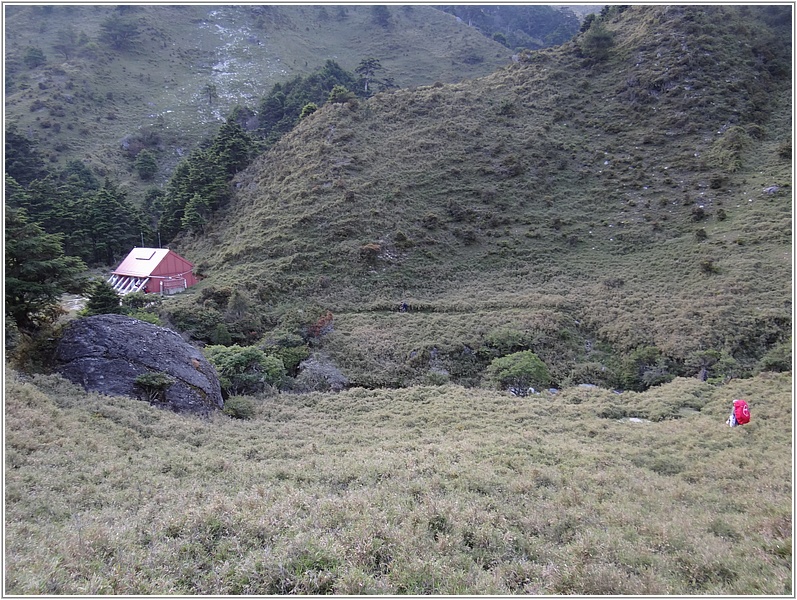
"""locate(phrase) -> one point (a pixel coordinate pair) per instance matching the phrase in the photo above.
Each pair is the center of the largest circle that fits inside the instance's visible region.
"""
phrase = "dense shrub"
(245, 370)
(520, 371)
(592, 373)
(596, 42)
(239, 407)
(340, 94)
(319, 373)
(199, 322)
(138, 300)
(506, 340)
(153, 386)
(644, 368)
(291, 356)
(777, 359)
(308, 109)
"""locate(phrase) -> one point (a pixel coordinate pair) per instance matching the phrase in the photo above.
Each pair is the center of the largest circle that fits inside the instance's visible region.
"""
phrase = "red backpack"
(742, 412)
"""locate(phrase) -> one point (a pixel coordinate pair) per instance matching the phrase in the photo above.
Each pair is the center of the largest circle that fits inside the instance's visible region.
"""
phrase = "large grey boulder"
(106, 353)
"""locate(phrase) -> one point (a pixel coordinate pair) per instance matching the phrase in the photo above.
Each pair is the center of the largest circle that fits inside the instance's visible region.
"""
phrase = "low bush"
(246, 370)
(146, 316)
(319, 373)
(153, 386)
(520, 370)
(239, 407)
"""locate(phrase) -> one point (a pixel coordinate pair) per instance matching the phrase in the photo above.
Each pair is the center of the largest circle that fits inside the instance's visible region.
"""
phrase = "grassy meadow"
(423, 490)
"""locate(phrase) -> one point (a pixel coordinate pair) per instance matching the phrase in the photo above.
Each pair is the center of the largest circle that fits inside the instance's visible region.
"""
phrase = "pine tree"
(232, 147)
(119, 32)
(211, 92)
(77, 175)
(196, 214)
(367, 68)
(36, 270)
(23, 161)
(66, 41)
(115, 225)
(103, 300)
(146, 164)
(16, 195)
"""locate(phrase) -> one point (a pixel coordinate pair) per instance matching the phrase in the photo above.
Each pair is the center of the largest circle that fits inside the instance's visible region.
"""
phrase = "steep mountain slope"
(591, 201)
(85, 82)
(520, 26)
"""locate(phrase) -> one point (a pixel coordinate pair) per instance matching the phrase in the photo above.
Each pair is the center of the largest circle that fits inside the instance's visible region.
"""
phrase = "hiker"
(404, 307)
(740, 413)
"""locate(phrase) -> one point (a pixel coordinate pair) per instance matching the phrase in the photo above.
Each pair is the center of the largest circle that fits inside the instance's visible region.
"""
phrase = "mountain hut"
(152, 271)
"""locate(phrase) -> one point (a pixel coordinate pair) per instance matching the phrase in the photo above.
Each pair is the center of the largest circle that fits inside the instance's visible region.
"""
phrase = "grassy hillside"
(87, 99)
(581, 203)
(432, 490)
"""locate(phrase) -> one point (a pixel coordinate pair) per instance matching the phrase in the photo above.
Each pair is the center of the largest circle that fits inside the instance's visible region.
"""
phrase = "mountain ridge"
(82, 101)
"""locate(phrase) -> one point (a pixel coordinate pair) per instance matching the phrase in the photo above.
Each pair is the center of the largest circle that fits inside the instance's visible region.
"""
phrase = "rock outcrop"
(107, 353)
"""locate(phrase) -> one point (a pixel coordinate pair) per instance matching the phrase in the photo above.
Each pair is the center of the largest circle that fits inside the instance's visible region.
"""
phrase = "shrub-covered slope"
(590, 199)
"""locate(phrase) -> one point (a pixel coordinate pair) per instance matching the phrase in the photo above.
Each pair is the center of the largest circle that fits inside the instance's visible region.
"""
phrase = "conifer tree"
(36, 270)
(367, 69)
(211, 92)
(119, 32)
(16, 195)
(232, 147)
(103, 300)
(114, 224)
(23, 161)
(146, 164)
(196, 214)
(66, 40)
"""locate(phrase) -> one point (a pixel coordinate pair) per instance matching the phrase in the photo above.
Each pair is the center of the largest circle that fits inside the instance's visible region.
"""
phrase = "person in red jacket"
(740, 414)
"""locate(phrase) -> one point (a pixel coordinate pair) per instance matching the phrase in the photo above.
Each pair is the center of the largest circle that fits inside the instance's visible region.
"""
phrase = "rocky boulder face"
(107, 353)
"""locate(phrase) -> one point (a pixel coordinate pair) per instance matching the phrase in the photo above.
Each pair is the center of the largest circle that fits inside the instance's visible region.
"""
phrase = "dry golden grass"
(423, 490)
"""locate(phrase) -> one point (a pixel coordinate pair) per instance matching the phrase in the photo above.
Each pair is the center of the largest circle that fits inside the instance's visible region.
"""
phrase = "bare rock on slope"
(106, 353)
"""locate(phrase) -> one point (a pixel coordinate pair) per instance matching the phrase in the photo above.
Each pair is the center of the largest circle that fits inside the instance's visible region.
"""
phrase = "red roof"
(147, 262)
